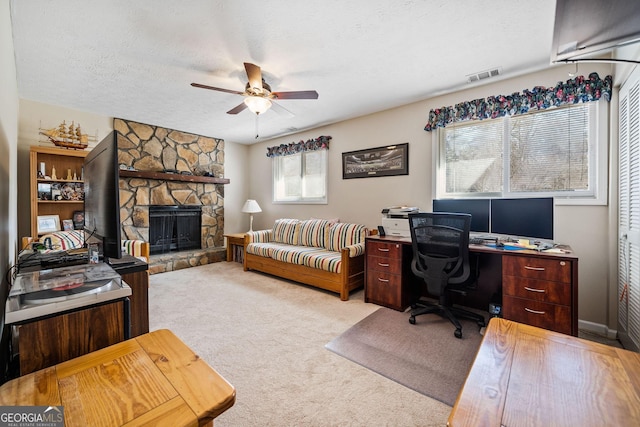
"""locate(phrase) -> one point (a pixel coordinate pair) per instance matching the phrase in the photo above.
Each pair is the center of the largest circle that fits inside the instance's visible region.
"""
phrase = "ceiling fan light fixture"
(257, 104)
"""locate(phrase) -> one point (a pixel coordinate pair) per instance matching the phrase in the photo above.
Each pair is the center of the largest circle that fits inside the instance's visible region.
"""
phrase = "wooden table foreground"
(153, 379)
(527, 376)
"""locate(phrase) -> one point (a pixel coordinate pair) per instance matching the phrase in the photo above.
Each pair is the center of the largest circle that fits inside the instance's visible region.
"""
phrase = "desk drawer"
(385, 289)
(384, 249)
(537, 290)
(544, 315)
(556, 270)
(387, 265)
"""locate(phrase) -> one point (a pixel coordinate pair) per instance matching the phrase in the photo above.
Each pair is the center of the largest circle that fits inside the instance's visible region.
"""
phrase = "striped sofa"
(315, 252)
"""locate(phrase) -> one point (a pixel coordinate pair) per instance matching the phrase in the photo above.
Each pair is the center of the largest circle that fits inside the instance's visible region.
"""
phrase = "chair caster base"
(458, 333)
(412, 320)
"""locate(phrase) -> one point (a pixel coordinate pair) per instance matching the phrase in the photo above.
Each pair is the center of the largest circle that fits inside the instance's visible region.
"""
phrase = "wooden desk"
(234, 242)
(154, 379)
(537, 288)
(523, 375)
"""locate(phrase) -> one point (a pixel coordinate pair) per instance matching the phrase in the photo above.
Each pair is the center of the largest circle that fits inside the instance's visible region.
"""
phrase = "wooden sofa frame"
(351, 276)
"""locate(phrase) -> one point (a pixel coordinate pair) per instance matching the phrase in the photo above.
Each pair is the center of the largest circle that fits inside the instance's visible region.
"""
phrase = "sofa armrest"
(355, 250)
(258, 236)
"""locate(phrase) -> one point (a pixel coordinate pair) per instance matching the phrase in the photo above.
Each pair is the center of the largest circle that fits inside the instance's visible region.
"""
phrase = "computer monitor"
(477, 208)
(102, 198)
(527, 217)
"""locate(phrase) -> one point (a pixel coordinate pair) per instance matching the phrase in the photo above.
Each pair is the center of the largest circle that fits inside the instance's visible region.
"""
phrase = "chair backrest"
(440, 249)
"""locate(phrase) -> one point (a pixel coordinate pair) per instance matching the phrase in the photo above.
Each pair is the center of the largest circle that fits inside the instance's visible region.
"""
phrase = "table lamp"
(251, 207)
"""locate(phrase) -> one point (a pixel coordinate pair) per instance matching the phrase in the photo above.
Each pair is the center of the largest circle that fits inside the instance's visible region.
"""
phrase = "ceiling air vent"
(484, 75)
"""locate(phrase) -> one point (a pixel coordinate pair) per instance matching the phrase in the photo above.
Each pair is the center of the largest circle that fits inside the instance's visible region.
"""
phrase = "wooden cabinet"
(389, 281)
(66, 163)
(138, 280)
(540, 292)
(49, 341)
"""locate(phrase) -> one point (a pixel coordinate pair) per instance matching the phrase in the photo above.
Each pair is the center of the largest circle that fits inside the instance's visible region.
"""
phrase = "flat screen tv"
(530, 217)
(477, 208)
(102, 198)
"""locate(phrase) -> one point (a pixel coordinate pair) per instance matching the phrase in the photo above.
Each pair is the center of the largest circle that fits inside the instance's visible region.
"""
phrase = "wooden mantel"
(162, 176)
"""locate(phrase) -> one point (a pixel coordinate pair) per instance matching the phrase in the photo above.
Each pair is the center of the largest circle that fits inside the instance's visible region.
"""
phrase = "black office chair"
(441, 258)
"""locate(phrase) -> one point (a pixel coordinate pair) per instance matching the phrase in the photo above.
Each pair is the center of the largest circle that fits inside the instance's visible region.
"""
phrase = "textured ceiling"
(136, 59)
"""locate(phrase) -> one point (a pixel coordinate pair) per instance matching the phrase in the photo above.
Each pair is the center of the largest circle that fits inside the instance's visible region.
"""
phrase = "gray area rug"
(425, 357)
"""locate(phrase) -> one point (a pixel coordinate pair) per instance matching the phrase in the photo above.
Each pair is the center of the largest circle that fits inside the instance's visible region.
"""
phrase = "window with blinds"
(300, 178)
(550, 152)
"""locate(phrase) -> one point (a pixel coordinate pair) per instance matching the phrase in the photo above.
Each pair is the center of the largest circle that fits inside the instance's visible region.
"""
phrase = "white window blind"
(552, 152)
(301, 177)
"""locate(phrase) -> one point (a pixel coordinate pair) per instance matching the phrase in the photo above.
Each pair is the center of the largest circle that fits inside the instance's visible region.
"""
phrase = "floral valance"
(321, 142)
(572, 91)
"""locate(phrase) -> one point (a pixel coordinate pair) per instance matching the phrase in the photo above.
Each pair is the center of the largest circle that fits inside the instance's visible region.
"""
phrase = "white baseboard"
(597, 328)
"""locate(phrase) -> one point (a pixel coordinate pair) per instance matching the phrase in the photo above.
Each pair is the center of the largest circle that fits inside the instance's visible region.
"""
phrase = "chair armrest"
(258, 236)
(137, 248)
(355, 250)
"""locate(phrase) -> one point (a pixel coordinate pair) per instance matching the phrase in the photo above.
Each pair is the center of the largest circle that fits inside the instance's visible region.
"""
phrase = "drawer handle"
(383, 280)
(383, 265)
(526, 267)
(533, 311)
(534, 290)
(383, 249)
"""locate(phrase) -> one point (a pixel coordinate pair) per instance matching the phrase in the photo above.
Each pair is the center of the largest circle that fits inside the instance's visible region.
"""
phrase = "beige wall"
(585, 228)
(8, 144)
(8, 165)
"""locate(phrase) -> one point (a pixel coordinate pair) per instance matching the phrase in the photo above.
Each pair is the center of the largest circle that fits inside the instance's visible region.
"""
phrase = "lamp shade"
(251, 206)
(257, 104)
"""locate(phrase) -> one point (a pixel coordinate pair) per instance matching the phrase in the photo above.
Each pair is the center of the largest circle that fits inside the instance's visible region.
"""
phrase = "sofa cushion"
(286, 231)
(261, 249)
(324, 260)
(313, 232)
(345, 234)
(292, 254)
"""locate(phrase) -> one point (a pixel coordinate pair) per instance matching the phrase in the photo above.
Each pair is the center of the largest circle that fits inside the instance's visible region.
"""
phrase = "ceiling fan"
(258, 95)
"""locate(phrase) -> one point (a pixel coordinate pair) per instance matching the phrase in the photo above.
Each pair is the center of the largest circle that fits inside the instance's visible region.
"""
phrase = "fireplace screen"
(174, 228)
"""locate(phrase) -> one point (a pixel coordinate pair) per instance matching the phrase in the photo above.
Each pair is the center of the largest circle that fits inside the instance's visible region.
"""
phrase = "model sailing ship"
(67, 137)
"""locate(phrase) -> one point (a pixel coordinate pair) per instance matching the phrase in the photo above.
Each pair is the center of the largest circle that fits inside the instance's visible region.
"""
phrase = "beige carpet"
(425, 357)
(266, 336)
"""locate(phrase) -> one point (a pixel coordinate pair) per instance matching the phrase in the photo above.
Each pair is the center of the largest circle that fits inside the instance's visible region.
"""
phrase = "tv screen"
(477, 208)
(530, 217)
(102, 198)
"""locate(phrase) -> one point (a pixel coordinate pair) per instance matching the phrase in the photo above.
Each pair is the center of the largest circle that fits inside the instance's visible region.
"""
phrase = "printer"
(395, 220)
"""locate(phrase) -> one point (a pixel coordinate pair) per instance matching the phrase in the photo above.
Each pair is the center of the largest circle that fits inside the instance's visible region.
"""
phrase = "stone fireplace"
(171, 171)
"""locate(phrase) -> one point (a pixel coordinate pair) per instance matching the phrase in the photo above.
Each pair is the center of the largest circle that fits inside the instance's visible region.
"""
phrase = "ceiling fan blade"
(217, 88)
(280, 109)
(237, 109)
(255, 76)
(300, 94)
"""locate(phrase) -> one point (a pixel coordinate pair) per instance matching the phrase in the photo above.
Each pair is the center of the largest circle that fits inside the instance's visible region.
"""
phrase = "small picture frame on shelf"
(78, 220)
(67, 224)
(56, 193)
(48, 223)
(44, 191)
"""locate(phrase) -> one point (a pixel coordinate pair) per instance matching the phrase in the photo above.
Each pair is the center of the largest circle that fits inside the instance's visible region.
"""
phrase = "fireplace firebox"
(174, 228)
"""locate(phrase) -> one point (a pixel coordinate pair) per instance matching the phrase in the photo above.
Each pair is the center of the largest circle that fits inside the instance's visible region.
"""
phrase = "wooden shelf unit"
(63, 160)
